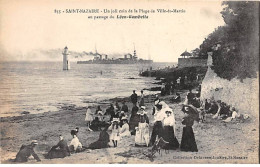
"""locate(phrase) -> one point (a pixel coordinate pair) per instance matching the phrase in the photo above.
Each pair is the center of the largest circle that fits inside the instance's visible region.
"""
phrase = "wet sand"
(228, 142)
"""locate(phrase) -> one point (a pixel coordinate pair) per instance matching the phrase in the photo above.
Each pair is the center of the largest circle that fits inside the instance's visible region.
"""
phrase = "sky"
(27, 25)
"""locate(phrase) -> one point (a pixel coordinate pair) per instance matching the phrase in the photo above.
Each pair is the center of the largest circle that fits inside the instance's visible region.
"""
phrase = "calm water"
(43, 86)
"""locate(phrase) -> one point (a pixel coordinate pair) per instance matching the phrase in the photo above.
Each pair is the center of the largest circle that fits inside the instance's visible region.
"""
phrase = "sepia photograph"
(129, 82)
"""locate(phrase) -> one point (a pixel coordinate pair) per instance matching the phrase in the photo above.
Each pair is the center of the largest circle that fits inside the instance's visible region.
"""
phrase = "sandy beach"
(218, 142)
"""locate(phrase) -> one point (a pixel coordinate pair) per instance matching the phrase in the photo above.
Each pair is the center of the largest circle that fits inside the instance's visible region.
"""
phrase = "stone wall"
(189, 62)
(244, 96)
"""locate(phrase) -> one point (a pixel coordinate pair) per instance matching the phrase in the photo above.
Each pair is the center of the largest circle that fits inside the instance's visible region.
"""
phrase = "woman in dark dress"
(102, 141)
(133, 122)
(188, 142)
(169, 130)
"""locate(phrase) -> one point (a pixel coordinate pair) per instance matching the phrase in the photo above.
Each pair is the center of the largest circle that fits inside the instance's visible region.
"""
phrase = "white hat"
(156, 102)
(124, 118)
(34, 142)
(143, 107)
(115, 120)
(100, 112)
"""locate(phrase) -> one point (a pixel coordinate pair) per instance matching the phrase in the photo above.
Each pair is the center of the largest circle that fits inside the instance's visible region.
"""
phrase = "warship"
(126, 59)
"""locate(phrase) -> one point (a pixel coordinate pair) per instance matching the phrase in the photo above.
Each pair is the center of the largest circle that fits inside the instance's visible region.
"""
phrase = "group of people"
(115, 119)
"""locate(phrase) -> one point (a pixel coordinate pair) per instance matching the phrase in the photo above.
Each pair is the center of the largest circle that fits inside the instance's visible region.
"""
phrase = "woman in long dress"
(133, 122)
(169, 130)
(142, 131)
(159, 116)
(89, 118)
(102, 141)
(188, 142)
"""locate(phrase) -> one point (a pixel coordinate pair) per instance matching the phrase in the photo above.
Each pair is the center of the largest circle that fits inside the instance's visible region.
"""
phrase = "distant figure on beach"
(190, 97)
(114, 136)
(124, 107)
(110, 111)
(142, 131)
(124, 131)
(89, 118)
(134, 98)
(188, 142)
(133, 122)
(177, 98)
(170, 130)
(141, 103)
(26, 151)
(75, 145)
(98, 109)
(102, 141)
(60, 150)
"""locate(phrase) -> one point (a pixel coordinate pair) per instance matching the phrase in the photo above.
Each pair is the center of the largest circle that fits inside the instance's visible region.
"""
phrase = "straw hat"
(124, 118)
(143, 107)
(34, 142)
(115, 120)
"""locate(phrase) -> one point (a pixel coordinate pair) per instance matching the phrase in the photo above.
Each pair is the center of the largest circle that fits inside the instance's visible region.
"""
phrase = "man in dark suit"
(26, 151)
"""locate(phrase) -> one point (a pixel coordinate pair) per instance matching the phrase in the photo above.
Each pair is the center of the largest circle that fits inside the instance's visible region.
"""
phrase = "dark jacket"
(124, 108)
(25, 152)
(134, 98)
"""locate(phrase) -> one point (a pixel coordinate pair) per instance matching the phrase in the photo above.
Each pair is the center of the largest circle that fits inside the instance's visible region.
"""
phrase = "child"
(89, 118)
(114, 136)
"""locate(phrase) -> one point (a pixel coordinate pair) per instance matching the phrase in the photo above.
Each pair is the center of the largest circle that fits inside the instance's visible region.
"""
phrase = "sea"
(37, 87)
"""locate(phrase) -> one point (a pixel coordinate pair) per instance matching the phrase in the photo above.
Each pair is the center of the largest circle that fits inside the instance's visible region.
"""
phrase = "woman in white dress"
(124, 131)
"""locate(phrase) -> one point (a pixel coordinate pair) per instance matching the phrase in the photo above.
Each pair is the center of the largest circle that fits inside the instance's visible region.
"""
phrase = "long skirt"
(188, 142)
(133, 123)
(56, 153)
(142, 135)
(98, 145)
(157, 131)
(170, 137)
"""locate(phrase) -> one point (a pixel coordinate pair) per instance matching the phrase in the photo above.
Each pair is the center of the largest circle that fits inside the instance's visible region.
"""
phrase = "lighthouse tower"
(65, 59)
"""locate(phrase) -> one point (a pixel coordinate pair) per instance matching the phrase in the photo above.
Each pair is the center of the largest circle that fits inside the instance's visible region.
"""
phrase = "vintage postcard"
(129, 82)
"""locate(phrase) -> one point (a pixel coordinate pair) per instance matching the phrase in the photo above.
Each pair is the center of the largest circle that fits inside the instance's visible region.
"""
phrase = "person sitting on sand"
(102, 141)
(89, 118)
(114, 136)
(60, 150)
(234, 115)
(26, 151)
(95, 124)
(124, 131)
(98, 110)
(75, 145)
(213, 109)
(110, 111)
(177, 99)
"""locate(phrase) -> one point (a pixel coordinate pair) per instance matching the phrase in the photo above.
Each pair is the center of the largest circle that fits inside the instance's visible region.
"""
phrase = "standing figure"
(110, 111)
(188, 142)
(134, 98)
(159, 116)
(141, 103)
(26, 151)
(133, 122)
(60, 150)
(89, 118)
(142, 131)
(114, 136)
(170, 130)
